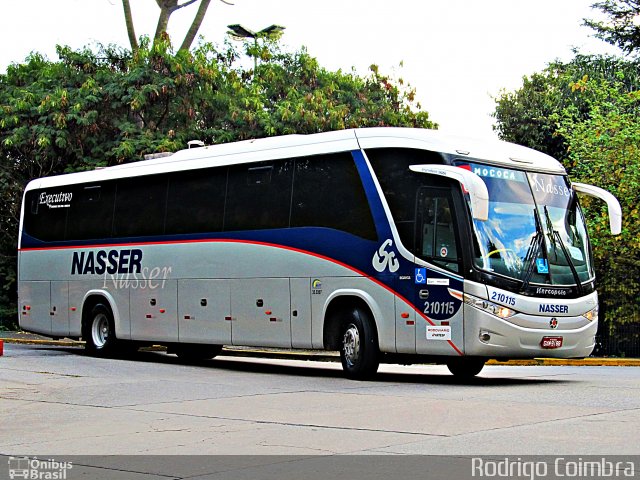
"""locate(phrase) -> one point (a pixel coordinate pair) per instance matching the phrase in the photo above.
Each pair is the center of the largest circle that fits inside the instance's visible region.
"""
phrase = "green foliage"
(604, 149)
(529, 116)
(622, 27)
(586, 113)
(98, 108)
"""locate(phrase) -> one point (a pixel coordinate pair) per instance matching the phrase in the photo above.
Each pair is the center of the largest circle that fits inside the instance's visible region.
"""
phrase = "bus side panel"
(59, 308)
(204, 311)
(35, 298)
(261, 312)
(301, 312)
(154, 315)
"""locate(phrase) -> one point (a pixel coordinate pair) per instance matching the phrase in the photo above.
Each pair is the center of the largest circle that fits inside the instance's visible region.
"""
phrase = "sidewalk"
(319, 355)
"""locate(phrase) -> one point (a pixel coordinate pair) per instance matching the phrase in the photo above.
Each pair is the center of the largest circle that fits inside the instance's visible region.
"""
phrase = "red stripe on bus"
(254, 242)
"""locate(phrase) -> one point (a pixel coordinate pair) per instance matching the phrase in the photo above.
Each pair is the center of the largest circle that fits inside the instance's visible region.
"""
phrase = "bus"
(392, 245)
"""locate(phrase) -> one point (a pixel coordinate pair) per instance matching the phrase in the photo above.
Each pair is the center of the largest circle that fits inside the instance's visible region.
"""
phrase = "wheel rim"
(351, 345)
(100, 330)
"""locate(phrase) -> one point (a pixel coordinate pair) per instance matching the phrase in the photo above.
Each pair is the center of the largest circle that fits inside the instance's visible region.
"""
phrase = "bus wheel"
(465, 367)
(359, 347)
(190, 352)
(99, 332)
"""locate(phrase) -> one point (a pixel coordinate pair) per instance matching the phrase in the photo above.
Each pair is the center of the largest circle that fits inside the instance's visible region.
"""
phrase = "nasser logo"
(383, 259)
(553, 323)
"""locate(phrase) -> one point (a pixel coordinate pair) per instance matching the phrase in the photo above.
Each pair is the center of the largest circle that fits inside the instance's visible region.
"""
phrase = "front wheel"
(465, 367)
(99, 332)
(359, 346)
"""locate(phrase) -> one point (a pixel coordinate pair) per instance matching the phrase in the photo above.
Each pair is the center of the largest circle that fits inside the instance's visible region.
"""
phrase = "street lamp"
(238, 32)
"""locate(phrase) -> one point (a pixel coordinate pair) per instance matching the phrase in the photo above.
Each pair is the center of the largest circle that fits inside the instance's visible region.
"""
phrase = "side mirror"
(471, 183)
(615, 212)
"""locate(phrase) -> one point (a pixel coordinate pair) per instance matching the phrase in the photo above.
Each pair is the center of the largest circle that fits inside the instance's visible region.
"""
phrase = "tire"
(195, 352)
(359, 351)
(99, 332)
(465, 367)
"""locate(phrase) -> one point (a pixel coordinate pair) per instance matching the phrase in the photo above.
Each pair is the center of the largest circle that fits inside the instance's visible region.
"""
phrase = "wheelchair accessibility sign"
(421, 275)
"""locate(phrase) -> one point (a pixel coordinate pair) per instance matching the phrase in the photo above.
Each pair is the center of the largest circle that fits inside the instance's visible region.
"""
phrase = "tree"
(622, 28)
(605, 148)
(167, 8)
(529, 115)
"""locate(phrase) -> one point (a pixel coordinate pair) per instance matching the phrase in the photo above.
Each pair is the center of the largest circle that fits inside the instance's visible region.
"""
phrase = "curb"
(324, 356)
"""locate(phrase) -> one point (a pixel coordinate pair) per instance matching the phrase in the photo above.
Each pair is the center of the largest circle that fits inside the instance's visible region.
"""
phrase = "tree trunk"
(131, 31)
(195, 26)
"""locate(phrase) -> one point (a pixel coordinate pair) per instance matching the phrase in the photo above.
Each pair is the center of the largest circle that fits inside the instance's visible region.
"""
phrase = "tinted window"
(400, 185)
(46, 212)
(196, 201)
(91, 213)
(140, 206)
(328, 193)
(258, 196)
(436, 237)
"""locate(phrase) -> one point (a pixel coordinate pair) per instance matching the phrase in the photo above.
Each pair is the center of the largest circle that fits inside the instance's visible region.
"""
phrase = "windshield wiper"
(532, 252)
(556, 238)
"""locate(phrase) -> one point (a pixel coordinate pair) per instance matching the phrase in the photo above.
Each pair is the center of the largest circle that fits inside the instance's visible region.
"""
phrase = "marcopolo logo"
(56, 200)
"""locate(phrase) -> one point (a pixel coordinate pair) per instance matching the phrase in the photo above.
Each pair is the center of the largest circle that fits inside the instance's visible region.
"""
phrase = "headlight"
(489, 307)
(591, 315)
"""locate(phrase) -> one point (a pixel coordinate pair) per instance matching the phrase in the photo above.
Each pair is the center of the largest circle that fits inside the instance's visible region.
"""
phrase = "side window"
(91, 213)
(195, 202)
(140, 206)
(258, 196)
(436, 238)
(46, 213)
(328, 193)
(400, 185)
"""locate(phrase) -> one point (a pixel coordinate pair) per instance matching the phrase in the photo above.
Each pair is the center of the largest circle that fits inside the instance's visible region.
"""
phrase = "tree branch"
(133, 40)
(195, 25)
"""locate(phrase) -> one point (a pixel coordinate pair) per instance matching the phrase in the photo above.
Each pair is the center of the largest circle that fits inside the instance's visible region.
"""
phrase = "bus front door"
(438, 296)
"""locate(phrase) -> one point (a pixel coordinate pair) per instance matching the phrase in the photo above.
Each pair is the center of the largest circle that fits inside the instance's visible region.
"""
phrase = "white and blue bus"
(387, 244)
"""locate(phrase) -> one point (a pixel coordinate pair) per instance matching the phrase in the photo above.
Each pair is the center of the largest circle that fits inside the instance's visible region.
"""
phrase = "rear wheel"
(465, 367)
(99, 332)
(359, 345)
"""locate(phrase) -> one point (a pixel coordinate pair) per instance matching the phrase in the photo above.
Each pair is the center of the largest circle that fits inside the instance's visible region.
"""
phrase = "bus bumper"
(492, 337)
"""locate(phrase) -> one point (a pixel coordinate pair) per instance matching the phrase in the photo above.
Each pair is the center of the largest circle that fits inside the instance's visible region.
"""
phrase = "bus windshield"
(535, 232)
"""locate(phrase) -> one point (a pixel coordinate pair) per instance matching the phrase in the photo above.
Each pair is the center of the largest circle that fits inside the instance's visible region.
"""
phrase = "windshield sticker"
(498, 173)
(542, 265)
(549, 187)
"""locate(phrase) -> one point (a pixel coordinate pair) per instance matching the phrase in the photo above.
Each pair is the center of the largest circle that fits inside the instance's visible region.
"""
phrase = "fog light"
(484, 337)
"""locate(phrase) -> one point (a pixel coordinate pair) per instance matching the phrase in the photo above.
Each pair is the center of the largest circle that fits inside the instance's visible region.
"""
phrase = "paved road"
(58, 401)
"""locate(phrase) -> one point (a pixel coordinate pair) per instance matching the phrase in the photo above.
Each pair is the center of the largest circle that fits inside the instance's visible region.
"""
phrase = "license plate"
(551, 342)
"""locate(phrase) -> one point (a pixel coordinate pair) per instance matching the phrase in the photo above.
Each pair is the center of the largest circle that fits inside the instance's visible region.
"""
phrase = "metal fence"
(619, 319)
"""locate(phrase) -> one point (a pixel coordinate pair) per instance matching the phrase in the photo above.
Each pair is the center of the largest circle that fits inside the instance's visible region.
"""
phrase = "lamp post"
(238, 32)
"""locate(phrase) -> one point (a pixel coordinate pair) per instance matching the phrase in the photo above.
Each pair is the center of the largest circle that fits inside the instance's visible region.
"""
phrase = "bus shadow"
(316, 370)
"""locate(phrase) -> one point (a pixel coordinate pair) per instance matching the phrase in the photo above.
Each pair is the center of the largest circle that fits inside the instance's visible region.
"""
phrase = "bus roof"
(493, 152)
